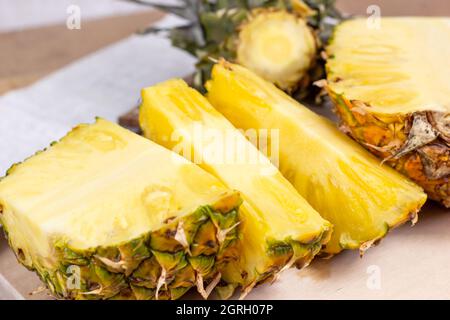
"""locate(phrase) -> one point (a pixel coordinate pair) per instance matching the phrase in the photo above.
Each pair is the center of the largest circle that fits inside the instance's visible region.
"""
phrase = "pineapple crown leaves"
(213, 20)
(325, 19)
(211, 24)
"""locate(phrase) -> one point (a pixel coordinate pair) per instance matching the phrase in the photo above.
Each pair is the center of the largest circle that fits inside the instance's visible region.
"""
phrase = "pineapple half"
(278, 39)
(279, 228)
(278, 46)
(341, 180)
(391, 90)
(107, 214)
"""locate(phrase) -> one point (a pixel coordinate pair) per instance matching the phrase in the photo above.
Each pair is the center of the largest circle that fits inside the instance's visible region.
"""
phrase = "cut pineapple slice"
(391, 90)
(342, 181)
(279, 227)
(105, 213)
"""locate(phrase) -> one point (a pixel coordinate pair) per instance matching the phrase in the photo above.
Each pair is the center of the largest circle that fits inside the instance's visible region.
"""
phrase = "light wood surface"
(26, 56)
(398, 7)
(17, 275)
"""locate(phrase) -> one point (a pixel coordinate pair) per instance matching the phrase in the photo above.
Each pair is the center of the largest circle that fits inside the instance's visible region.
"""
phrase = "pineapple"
(279, 228)
(107, 214)
(341, 180)
(391, 90)
(277, 39)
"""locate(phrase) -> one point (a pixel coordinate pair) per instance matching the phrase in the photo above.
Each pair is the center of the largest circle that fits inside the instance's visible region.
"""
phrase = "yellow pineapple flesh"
(391, 90)
(279, 228)
(107, 214)
(343, 182)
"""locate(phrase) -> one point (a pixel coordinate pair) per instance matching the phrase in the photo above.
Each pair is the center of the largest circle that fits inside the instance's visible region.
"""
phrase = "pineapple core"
(278, 46)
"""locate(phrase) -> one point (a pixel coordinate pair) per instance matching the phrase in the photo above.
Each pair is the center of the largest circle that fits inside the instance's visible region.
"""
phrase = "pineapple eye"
(92, 286)
(169, 220)
(20, 254)
(1, 209)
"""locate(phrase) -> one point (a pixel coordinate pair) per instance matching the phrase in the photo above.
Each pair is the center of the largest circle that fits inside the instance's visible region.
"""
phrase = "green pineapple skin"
(136, 265)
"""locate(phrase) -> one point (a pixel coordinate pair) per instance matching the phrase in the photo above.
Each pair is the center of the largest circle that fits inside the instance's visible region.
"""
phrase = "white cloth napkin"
(105, 84)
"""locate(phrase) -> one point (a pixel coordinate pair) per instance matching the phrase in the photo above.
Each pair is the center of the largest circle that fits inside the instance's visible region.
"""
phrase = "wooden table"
(27, 56)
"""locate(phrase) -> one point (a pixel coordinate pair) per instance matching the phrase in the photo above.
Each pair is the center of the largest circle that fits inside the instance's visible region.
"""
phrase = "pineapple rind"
(342, 181)
(428, 164)
(139, 268)
(100, 280)
(407, 123)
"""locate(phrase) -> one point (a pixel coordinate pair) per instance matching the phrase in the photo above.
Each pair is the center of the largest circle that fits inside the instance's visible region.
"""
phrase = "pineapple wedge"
(279, 227)
(341, 180)
(105, 213)
(391, 90)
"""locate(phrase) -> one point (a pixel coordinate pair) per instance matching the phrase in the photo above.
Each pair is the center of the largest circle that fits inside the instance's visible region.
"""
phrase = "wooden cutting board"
(410, 263)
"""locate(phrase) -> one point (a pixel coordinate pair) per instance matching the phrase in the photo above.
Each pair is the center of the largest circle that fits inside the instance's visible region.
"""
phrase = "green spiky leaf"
(212, 28)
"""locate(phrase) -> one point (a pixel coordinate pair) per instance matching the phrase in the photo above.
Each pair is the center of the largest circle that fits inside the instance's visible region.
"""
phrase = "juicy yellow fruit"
(278, 46)
(279, 227)
(344, 183)
(391, 91)
(126, 216)
(399, 68)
